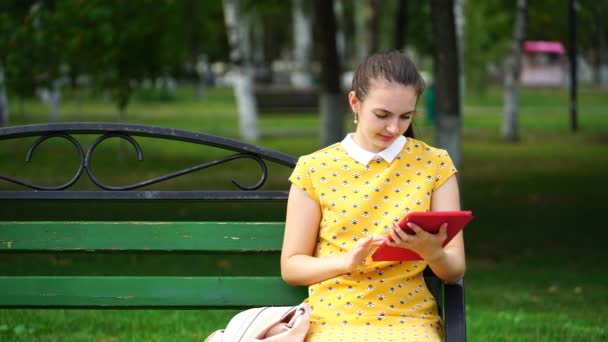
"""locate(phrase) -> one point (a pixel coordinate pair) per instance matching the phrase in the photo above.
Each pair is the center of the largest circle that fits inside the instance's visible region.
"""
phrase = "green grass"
(537, 268)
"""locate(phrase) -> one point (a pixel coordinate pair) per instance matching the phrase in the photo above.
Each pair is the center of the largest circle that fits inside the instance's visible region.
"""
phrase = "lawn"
(537, 268)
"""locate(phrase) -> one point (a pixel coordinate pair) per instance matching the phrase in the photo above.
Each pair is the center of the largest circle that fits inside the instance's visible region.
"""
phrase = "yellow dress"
(377, 301)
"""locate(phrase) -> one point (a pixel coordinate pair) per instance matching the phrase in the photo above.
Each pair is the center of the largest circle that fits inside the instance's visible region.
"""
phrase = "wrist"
(341, 264)
(437, 256)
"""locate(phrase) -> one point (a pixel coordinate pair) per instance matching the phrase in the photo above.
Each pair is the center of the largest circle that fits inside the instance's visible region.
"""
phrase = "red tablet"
(429, 221)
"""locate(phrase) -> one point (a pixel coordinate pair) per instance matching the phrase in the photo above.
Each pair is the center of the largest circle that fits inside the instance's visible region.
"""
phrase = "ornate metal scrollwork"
(30, 153)
(125, 132)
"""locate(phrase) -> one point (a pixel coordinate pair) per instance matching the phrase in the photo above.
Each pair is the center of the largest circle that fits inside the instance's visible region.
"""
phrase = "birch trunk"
(340, 41)
(202, 71)
(4, 114)
(460, 20)
(511, 96)
(448, 124)
(242, 78)
(302, 37)
(52, 97)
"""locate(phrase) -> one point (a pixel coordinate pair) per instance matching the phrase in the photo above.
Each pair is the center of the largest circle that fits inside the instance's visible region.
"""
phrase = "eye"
(381, 116)
(407, 116)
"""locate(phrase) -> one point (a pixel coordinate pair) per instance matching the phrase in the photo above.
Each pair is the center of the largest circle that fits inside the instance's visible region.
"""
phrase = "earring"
(355, 121)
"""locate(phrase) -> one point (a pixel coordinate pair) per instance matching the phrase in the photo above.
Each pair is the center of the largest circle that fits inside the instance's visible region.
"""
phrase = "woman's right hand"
(363, 248)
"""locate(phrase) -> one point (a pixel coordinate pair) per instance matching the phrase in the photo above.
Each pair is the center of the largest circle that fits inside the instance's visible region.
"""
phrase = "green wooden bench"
(139, 251)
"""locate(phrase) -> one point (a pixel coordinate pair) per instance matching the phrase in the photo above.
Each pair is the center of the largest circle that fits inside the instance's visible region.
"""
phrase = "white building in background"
(544, 64)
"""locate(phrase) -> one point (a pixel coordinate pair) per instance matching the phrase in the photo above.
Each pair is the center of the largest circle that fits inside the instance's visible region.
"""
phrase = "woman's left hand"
(427, 245)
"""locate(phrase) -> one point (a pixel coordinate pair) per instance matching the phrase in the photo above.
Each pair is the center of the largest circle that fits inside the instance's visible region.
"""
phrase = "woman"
(347, 198)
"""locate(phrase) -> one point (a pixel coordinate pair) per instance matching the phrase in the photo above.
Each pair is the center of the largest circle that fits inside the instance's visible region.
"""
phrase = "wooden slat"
(147, 292)
(143, 236)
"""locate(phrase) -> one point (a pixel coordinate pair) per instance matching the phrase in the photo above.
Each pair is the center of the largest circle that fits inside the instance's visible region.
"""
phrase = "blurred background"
(517, 91)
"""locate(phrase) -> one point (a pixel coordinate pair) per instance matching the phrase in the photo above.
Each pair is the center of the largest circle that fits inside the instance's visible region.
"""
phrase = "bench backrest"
(211, 262)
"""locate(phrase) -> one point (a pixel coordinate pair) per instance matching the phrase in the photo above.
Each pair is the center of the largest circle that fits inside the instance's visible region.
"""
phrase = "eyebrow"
(389, 112)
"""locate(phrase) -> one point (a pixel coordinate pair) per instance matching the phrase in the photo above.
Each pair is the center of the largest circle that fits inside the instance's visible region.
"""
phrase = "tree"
(242, 78)
(332, 103)
(460, 20)
(302, 37)
(120, 44)
(592, 13)
(367, 24)
(31, 46)
(487, 40)
(511, 96)
(4, 113)
(401, 27)
(449, 119)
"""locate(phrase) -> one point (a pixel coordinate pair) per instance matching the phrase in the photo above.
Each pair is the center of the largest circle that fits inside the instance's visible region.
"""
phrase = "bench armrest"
(454, 312)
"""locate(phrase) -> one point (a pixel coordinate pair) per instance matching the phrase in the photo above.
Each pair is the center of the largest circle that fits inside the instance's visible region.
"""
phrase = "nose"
(393, 126)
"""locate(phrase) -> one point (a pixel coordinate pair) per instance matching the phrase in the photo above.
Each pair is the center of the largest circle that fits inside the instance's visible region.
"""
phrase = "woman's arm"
(298, 265)
(448, 263)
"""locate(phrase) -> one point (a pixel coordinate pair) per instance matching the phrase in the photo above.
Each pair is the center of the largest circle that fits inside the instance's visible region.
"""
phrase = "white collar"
(363, 156)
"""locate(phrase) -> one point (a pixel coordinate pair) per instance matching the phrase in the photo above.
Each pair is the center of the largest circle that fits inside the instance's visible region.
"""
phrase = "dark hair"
(392, 66)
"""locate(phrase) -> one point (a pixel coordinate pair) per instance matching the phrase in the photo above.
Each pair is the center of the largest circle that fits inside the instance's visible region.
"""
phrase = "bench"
(286, 100)
(210, 259)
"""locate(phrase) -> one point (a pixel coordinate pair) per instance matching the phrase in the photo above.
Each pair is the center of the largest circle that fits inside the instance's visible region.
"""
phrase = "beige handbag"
(270, 323)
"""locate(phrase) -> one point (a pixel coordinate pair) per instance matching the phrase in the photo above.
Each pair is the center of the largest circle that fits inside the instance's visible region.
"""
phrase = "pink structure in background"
(543, 64)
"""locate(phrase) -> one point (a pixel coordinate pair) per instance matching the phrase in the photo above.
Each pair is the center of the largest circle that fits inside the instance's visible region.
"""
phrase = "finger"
(416, 228)
(400, 240)
(402, 234)
(377, 240)
(365, 242)
(396, 239)
(443, 230)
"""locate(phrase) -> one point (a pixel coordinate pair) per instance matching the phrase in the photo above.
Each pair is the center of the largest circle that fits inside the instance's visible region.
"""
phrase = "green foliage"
(30, 45)
(117, 44)
(488, 28)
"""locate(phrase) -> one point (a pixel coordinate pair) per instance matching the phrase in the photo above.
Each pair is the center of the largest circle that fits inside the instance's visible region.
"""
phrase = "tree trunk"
(460, 20)
(302, 37)
(373, 24)
(4, 114)
(122, 117)
(448, 123)
(22, 109)
(242, 77)
(331, 104)
(361, 33)
(599, 47)
(511, 97)
(55, 101)
(52, 97)
(258, 55)
(202, 71)
(340, 41)
(400, 32)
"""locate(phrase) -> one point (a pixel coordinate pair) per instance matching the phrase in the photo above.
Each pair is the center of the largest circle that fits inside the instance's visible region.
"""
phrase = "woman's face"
(384, 114)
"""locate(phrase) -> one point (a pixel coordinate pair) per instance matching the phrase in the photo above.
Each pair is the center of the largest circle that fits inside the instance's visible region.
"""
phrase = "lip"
(385, 137)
